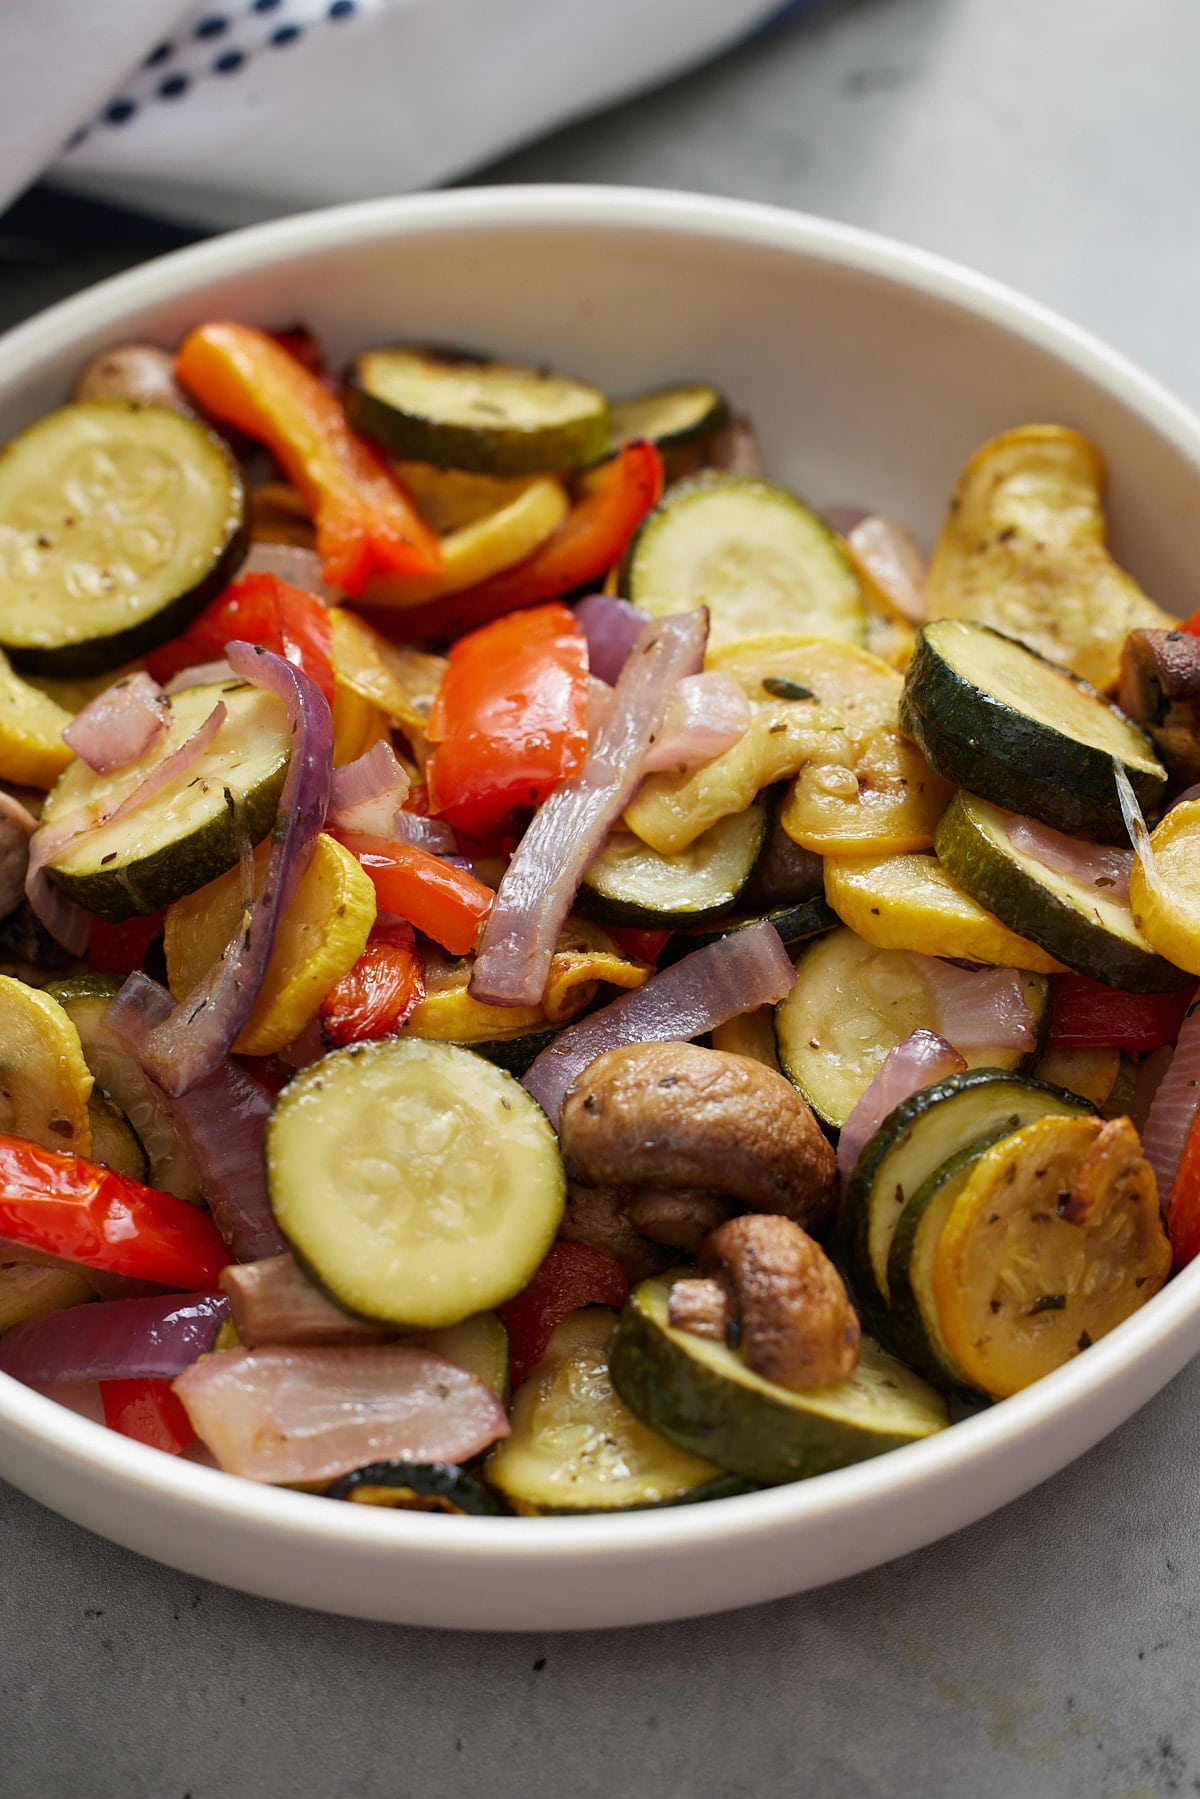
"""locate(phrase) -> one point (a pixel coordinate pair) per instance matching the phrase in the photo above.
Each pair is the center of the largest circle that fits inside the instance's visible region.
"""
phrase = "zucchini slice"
(912, 902)
(119, 1077)
(700, 1395)
(115, 1143)
(795, 924)
(575, 1447)
(668, 416)
(1083, 925)
(851, 1005)
(755, 555)
(514, 1054)
(118, 522)
(416, 1487)
(417, 1183)
(45, 1084)
(1054, 1239)
(912, 1328)
(998, 719)
(188, 832)
(30, 1292)
(480, 1345)
(1023, 548)
(912, 1143)
(463, 411)
(630, 883)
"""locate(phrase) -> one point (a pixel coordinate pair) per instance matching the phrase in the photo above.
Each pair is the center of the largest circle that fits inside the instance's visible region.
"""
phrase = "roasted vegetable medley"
(543, 973)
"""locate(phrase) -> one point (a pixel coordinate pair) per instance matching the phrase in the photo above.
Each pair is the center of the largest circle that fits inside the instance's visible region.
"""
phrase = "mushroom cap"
(673, 1115)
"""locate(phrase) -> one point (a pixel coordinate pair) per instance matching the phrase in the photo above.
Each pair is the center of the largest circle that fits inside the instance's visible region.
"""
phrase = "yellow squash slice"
(399, 680)
(32, 751)
(824, 702)
(886, 805)
(1090, 1072)
(910, 902)
(1023, 549)
(477, 551)
(1164, 897)
(45, 1084)
(1054, 1239)
(321, 936)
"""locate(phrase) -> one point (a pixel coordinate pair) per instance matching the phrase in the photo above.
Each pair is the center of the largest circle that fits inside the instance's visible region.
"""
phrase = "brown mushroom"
(600, 1216)
(671, 1116)
(135, 371)
(768, 1288)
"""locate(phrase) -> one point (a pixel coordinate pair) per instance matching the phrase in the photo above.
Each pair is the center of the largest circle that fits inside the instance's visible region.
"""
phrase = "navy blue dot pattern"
(236, 35)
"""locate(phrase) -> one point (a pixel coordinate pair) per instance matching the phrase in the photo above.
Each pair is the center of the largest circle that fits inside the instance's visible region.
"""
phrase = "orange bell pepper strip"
(67, 1206)
(148, 1411)
(590, 539)
(366, 522)
(443, 901)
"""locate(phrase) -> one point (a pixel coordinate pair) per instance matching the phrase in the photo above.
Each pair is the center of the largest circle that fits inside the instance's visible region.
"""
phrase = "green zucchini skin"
(417, 1487)
(513, 1054)
(44, 627)
(629, 883)
(523, 421)
(796, 923)
(701, 1396)
(1063, 916)
(949, 1115)
(911, 1329)
(176, 843)
(1020, 761)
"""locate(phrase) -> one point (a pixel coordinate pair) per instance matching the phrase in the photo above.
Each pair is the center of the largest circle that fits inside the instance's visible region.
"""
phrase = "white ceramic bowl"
(871, 371)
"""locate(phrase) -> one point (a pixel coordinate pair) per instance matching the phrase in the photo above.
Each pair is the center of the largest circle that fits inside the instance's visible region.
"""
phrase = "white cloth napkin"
(220, 114)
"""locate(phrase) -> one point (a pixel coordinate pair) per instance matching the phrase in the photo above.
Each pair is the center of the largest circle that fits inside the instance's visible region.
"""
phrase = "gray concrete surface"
(1048, 1651)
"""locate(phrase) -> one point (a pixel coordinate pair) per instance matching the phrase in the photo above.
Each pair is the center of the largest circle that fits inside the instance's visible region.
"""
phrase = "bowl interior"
(870, 373)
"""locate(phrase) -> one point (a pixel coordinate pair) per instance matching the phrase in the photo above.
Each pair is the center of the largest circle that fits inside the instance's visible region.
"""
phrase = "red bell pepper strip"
(641, 945)
(585, 546)
(120, 948)
(67, 1206)
(509, 721)
(444, 902)
(572, 1275)
(1084, 1014)
(1183, 1206)
(148, 1411)
(385, 985)
(365, 520)
(261, 609)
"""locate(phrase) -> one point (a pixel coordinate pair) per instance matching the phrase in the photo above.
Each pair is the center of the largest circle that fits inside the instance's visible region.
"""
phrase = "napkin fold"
(219, 115)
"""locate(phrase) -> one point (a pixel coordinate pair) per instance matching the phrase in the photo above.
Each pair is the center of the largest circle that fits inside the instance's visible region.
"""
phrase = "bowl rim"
(1161, 1336)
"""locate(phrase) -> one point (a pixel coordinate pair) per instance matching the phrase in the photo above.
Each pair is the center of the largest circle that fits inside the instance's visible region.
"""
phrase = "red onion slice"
(366, 794)
(201, 674)
(432, 834)
(119, 725)
(612, 627)
(569, 826)
(221, 1120)
(920, 1060)
(194, 1042)
(748, 968)
(981, 1008)
(1101, 865)
(708, 713)
(312, 1414)
(292, 563)
(116, 1339)
(1174, 1106)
